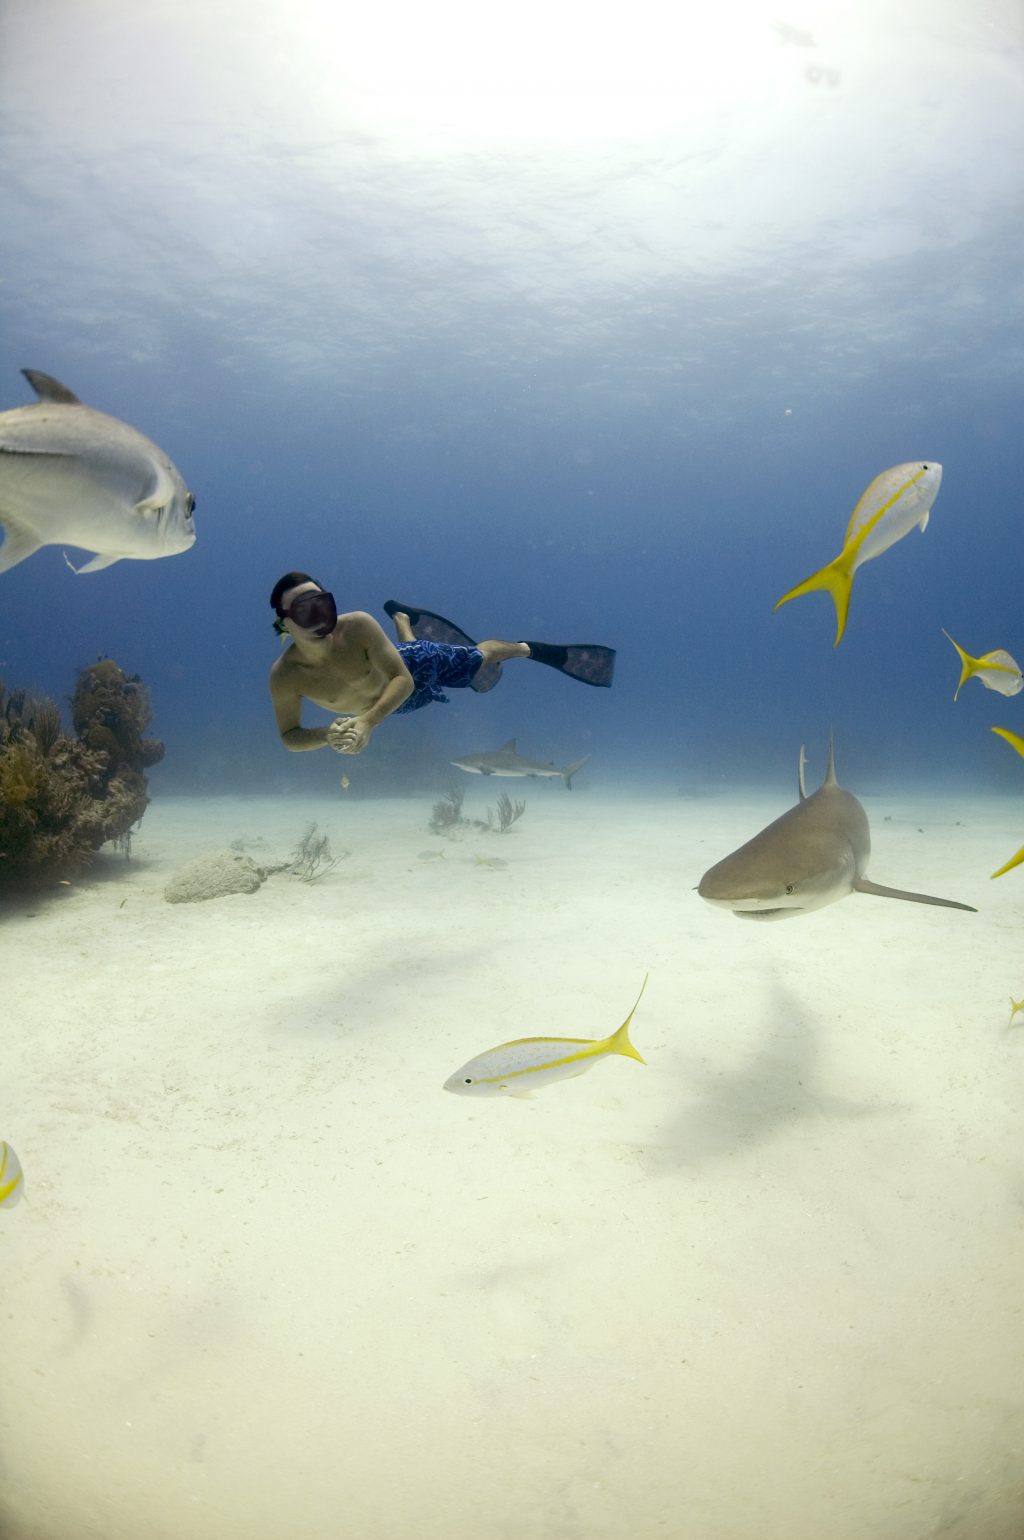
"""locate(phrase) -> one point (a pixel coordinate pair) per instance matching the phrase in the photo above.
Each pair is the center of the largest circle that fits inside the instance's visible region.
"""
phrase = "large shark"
(505, 761)
(72, 476)
(813, 855)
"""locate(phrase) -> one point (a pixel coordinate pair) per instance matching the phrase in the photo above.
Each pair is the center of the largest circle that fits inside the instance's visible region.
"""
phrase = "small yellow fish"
(345, 783)
(494, 862)
(1018, 744)
(12, 1178)
(1015, 1006)
(996, 670)
(895, 501)
(523, 1065)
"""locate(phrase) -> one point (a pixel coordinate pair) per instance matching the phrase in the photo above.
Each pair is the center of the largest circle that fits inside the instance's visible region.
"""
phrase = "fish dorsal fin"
(49, 389)
(830, 773)
(801, 766)
(508, 747)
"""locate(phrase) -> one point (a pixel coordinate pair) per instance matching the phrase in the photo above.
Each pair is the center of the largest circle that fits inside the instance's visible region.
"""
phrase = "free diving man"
(346, 664)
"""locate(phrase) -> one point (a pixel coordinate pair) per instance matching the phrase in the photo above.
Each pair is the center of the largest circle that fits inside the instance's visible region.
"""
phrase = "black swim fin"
(585, 661)
(428, 627)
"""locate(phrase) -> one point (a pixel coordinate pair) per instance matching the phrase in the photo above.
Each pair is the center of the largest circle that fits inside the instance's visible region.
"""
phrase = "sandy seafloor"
(269, 1280)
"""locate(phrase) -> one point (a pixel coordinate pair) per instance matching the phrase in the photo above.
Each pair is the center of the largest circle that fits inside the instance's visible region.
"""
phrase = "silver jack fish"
(73, 476)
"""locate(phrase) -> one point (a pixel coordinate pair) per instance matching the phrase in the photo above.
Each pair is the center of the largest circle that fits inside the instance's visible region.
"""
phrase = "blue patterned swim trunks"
(435, 667)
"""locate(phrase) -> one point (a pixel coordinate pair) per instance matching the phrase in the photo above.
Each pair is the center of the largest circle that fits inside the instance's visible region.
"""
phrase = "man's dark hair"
(290, 580)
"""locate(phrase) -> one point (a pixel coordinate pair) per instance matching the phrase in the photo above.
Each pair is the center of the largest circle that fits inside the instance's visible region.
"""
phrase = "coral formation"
(214, 876)
(61, 795)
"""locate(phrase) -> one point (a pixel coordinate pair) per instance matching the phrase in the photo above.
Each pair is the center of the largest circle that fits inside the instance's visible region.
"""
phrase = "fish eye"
(790, 887)
(468, 1080)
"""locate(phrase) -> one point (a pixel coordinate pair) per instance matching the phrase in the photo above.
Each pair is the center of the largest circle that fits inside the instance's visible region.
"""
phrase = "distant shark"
(505, 761)
(813, 855)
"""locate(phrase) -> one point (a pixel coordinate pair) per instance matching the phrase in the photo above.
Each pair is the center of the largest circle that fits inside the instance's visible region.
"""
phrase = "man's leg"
(403, 630)
(500, 652)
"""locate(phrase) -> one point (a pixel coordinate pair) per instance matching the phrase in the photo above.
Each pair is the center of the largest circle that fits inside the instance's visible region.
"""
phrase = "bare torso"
(344, 679)
(355, 672)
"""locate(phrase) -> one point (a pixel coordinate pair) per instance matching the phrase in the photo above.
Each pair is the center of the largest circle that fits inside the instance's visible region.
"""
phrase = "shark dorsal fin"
(49, 389)
(508, 747)
(830, 773)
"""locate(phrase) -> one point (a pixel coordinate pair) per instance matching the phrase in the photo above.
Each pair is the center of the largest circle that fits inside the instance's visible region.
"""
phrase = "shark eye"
(790, 887)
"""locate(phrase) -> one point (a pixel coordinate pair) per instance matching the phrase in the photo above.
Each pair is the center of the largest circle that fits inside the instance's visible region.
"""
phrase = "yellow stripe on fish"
(996, 670)
(519, 1067)
(12, 1178)
(890, 507)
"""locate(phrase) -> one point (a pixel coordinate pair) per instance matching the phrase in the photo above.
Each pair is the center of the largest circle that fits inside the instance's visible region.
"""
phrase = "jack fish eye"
(468, 1080)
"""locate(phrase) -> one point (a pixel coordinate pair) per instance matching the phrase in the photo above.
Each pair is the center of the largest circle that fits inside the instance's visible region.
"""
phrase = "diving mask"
(313, 611)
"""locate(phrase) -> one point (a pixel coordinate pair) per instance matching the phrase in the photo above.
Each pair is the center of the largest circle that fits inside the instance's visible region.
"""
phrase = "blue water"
(577, 324)
(583, 392)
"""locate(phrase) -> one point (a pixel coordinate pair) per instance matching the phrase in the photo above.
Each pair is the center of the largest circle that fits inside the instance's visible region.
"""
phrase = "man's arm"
(352, 736)
(287, 703)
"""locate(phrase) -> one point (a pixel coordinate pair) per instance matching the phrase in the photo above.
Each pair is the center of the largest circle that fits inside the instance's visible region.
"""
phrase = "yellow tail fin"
(967, 663)
(1011, 863)
(837, 580)
(1013, 739)
(619, 1041)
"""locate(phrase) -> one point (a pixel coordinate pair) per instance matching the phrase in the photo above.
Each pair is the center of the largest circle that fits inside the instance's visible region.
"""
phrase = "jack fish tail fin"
(837, 581)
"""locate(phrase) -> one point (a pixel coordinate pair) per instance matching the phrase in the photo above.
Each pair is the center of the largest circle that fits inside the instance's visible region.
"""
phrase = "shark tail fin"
(862, 885)
(837, 581)
(570, 771)
(619, 1041)
(968, 665)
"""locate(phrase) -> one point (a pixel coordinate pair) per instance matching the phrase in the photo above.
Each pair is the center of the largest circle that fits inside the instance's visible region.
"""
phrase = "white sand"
(271, 1282)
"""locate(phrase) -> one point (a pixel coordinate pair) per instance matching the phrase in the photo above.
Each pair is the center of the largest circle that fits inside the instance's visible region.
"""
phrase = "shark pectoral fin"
(18, 544)
(862, 885)
(837, 581)
(1011, 863)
